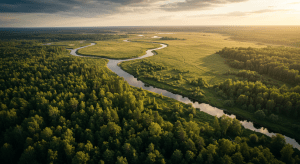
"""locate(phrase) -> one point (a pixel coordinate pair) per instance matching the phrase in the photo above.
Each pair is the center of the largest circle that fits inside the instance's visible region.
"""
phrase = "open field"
(276, 35)
(71, 44)
(117, 49)
(194, 57)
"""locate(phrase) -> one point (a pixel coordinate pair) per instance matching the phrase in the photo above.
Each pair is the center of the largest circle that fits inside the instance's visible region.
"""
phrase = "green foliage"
(81, 158)
(273, 118)
(236, 127)
(238, 158)
(281, 63)
(58, 37)
(199, 82)
(154, 129)
(147, 70)
(260, 114)
(253, 138)
(277, 143)
(256, 96)
(229, 103)
(226, 147)
(254, 76)
(121, 160)
(286, 154)
(7, 153)
(170, 38)
(225, 122)
(176, 156)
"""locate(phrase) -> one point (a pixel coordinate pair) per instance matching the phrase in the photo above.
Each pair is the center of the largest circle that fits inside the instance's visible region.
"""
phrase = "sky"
(103, 13)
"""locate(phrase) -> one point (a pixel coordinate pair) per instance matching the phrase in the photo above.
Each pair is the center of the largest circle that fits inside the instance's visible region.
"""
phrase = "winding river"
(113, 65)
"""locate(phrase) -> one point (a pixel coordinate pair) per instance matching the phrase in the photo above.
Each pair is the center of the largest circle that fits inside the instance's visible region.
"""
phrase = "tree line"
(170, 38)
(253, 76)
(281, 63)
(254, 96)
(44, 37)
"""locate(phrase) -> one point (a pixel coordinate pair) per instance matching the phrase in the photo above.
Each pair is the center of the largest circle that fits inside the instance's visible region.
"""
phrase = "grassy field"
(192, 58)
(276, 35)
(71, 44)
(118, 49)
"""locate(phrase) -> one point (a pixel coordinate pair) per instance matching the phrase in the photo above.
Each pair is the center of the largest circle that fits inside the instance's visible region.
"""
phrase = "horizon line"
(155, 26)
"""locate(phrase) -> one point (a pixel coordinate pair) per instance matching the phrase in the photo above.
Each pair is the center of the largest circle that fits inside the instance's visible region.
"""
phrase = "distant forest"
(280, 35)
(170, 38)
(45, 37)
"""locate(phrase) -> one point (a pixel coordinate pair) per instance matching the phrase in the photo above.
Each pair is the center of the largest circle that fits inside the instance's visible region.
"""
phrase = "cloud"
(103, 8)
(235, 14)
(31, 6)
(70, 7)
(240, 14)
(196, 4)
(263, 11)
(294, 3)
(86, 8)
(9, 19)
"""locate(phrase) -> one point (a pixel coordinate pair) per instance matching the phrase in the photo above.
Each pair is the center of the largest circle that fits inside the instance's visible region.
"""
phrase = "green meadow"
(118, 49)
(193, 57)
(190, 58)
(71, 44)
(272, 35)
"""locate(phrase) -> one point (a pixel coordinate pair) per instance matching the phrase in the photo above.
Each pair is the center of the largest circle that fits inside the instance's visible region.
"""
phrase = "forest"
(266, 101)
(281, 63)
(46, 37)
(57, 108)
(170, 38)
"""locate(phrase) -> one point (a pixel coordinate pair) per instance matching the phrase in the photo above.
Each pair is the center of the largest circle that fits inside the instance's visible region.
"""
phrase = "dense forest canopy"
(57, 108)
(281, 63)
(255, 96)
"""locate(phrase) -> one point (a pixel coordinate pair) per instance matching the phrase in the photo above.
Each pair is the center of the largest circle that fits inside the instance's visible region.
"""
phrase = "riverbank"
(117, 49)
(214, 100)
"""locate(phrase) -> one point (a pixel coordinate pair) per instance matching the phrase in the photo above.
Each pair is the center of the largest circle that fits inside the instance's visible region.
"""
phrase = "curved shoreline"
(113, 66)
(77, 53)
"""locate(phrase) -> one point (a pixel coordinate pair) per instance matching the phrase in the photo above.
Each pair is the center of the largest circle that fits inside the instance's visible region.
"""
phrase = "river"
(113, 66)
